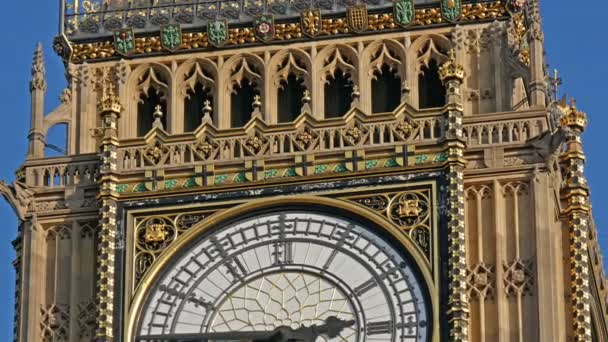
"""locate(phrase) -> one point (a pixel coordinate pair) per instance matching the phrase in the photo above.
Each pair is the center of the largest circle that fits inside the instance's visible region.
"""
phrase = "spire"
(38, 81)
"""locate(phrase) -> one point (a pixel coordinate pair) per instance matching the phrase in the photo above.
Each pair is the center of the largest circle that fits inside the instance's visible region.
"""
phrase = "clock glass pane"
(314, 276)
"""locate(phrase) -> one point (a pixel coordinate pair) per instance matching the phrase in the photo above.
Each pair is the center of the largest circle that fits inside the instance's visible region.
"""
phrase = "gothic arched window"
(289, 99)
(193, 106)
(197, 84)
(146, 108)
(431, 92)
(386, 90)
(241, 104)
(339, 75)
(245, 83)
(152, 98)
(338, 95)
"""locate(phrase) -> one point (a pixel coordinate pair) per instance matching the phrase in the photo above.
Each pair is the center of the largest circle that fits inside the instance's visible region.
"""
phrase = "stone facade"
(489, 189)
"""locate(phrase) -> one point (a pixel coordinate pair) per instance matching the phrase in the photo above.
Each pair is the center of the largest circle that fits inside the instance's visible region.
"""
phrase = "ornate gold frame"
(132, 312)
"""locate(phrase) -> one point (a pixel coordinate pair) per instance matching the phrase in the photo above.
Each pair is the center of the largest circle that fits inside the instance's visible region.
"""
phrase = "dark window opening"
(193, 106)
(338, 95)
(241, 104)
(386, 90)
(145, 111)
(290, 99)
(431, 92)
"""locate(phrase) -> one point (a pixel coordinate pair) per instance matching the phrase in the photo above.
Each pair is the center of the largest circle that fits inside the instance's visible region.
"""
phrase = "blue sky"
(572, 37)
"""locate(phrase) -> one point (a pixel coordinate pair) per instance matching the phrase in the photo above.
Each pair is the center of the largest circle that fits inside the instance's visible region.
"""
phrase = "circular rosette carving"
(155, 234)
(409, 209)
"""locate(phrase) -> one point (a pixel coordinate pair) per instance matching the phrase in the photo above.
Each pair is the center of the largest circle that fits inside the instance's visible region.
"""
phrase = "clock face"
(292, 269)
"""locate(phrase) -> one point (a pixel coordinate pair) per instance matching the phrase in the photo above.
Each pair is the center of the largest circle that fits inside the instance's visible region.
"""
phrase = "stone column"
(452, 75)
(110, 108)
(37, 90)
(537, 56)
(576, 192)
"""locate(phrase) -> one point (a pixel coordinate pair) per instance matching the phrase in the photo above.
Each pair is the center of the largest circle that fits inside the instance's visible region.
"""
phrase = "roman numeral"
(283, 253)
(378, 328)
(366, 286)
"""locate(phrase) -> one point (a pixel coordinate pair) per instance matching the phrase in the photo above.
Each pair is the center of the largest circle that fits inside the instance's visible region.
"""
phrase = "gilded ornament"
(263, 25)
(516, 6)
(124, 41)
(409, 208)
(217, 32)
(310, 21)
(357, 18)
(155, 232)
(404, 12)
(451, 69)
(171, 36)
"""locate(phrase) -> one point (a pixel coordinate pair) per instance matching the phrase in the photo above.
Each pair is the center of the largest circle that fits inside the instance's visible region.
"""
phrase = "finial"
(306, 99)
(574, 119)
(356, 96)
(257, 103)
(158, 115)
(38, 81)
(554, 82)
(257, 107)
(306, 96)
(451, 69)
(207, 110)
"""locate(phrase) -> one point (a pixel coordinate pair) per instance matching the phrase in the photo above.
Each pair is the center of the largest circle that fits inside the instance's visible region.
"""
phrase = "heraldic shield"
(124, 41)
(217, 32)
(310, 21)
(263, 25)
(356, 17)
(404, 12)
(451, 10)
(171, 36)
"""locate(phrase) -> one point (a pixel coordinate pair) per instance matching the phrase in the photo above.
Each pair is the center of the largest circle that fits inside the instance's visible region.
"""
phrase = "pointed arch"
(337, 72)
(290, 75)
(149, 85)
(384, 74)
(196, 81)
(429, 52)
(242, 79)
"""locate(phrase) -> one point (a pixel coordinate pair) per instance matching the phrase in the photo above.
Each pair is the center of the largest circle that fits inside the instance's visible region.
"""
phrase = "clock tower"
(297, 170)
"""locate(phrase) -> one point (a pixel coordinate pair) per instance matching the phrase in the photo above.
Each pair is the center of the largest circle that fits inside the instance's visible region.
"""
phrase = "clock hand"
(332, 328)
(252, 336)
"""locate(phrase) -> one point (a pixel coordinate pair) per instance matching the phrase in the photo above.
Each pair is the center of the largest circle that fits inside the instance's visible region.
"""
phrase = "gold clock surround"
(139, 297)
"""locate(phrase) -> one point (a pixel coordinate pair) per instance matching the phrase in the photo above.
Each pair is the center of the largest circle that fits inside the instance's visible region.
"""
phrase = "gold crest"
(310, 21)
(356, 17)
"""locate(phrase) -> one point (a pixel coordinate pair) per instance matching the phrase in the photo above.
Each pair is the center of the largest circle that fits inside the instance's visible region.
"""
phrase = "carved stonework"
(480, 282)
(54, 323)
(87, 314)
(518, 278)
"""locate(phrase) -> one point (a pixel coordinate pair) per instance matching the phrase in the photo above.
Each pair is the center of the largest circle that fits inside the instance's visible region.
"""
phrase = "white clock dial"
(292, 269)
